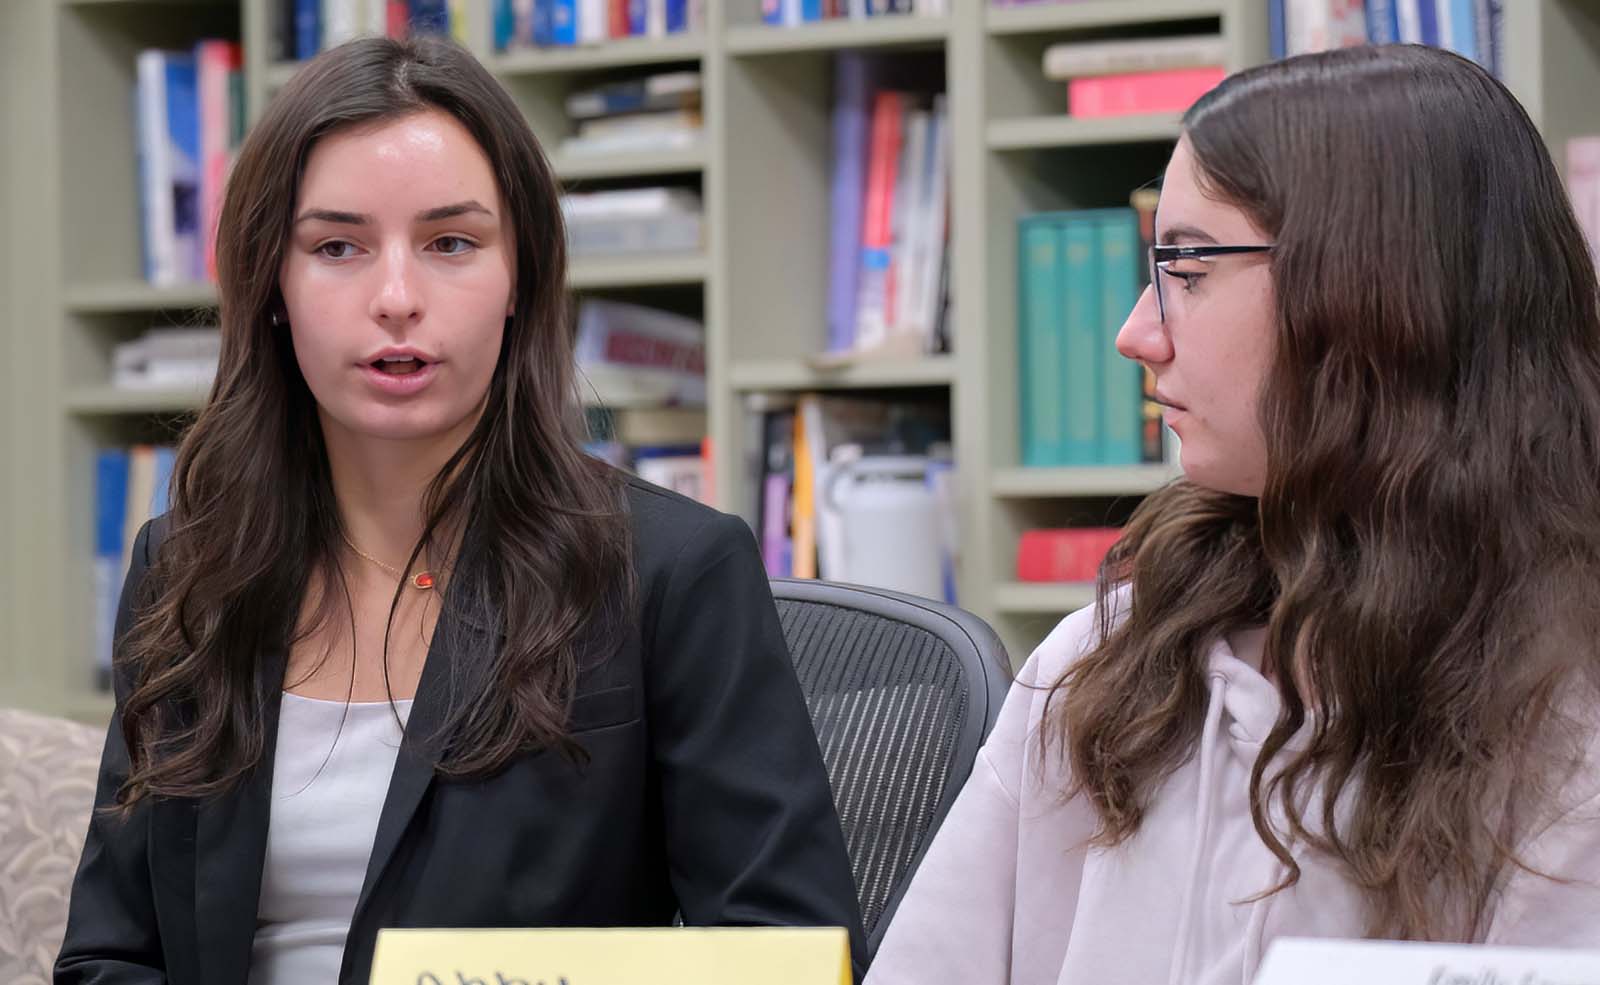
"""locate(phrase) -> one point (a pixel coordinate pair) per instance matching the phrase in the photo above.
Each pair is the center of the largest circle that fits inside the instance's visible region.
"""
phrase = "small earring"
(273, 317)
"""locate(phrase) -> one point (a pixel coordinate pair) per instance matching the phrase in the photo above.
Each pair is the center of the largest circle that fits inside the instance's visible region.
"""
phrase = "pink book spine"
(215, 59)
(1171, 91)
(1583, 183)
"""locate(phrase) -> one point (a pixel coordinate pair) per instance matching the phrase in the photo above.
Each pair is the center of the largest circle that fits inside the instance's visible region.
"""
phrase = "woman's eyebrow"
(1182, 232)
(363, 219)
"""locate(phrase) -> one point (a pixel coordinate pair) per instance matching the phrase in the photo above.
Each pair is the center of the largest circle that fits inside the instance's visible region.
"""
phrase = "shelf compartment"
(628, 165)
(1042, 598)
(839, 35)
(622, 53)
(1045, 18)
(637, 271)
(134, 296)
(109, 401)
(802, 374)
(1039, 132)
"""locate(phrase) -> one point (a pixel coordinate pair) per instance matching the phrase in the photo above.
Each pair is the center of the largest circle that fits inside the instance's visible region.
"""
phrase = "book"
(168, 128)
(1079, 257)
(1121, 380)
(1171, 91)
(1072, 554)
(1040, 339)
(852, 100)
(1583, 186)
(1073, 60)
(217, 62)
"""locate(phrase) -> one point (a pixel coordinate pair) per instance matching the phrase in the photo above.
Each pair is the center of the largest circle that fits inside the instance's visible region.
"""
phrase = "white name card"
(1294, 961)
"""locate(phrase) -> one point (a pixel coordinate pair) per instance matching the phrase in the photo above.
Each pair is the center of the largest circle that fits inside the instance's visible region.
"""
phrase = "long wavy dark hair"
(253, 513)
(1425, 554)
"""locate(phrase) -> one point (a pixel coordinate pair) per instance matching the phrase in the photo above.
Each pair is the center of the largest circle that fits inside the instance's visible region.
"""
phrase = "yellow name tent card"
(657, 956)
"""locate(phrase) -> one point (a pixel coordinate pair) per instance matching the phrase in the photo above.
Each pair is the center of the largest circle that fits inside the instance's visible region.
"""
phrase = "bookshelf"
(70, 286)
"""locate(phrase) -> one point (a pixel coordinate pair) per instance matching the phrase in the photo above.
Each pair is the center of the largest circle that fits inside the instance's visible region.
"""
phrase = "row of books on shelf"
(189, 121)
(793, 13)
(854, 489)
(1470, 28)
(301, 28)
(1081, 402)
(130, 487)
(659, 112)
(566, 23)
(889, 199)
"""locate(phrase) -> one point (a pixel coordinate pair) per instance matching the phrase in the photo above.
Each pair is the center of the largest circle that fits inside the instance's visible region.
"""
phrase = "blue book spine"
(430, 17)
(505, 24)
(564, 22)
(1383, 24)
(1490, 49)
(183, 133)
(677, 16)
(1275, 28)
(772, 12)
(111, 509)
(1428, 17)
(307, 28)
(166, 458)
(542, 33)
(1464, 30)
(811, 10)
(639, 18)
(852, 116)
(111, 500)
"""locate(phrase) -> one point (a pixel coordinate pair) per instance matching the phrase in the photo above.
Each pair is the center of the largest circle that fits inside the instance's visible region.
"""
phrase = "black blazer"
(704, 793)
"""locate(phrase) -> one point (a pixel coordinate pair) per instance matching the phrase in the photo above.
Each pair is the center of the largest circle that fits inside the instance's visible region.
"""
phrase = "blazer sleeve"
(752, 834)
(111, 922)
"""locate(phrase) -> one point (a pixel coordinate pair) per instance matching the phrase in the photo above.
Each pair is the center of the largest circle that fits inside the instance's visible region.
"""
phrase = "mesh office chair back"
(902, 692)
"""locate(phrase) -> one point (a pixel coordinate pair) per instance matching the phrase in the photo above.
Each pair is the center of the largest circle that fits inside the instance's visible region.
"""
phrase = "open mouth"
(398, 366)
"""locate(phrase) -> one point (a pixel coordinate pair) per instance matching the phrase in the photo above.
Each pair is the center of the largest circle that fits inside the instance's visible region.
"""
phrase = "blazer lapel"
(231, 848)
(458, 655)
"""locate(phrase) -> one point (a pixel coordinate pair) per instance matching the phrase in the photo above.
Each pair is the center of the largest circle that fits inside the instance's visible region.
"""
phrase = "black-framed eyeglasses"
(1160, 256)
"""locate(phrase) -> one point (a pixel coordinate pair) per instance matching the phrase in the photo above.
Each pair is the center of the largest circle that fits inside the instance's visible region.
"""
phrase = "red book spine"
(617, 11)
(398, 19)
(1170, 91)
(1073, 554)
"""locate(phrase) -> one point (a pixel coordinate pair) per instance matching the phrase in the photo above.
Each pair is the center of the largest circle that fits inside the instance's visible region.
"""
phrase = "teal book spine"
(1039, 341)
(1121, 379)
(1081, 297)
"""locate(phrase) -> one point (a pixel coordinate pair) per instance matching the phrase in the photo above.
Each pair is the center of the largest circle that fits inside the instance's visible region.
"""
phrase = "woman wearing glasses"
(1340, 680)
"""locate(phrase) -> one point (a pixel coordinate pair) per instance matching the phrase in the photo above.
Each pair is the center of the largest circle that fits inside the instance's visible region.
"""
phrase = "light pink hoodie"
(1009, 894)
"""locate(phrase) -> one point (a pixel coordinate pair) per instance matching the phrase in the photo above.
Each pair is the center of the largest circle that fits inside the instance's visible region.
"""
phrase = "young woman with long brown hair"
(1340, 679)
(401, 654)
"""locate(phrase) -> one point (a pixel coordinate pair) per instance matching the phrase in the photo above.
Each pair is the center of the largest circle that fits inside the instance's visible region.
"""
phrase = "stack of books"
(180, 358)
(657, 113)
(654, 357)
(1146, 75)
(633, 221)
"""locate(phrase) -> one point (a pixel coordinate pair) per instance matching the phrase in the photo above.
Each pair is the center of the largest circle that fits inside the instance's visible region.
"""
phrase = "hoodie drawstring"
(1202, 828)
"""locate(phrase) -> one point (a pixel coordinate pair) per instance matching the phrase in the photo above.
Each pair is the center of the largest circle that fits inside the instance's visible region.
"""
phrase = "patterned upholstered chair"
(48, 768)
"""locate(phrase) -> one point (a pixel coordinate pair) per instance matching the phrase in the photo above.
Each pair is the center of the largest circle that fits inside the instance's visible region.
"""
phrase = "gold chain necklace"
(422, 579)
